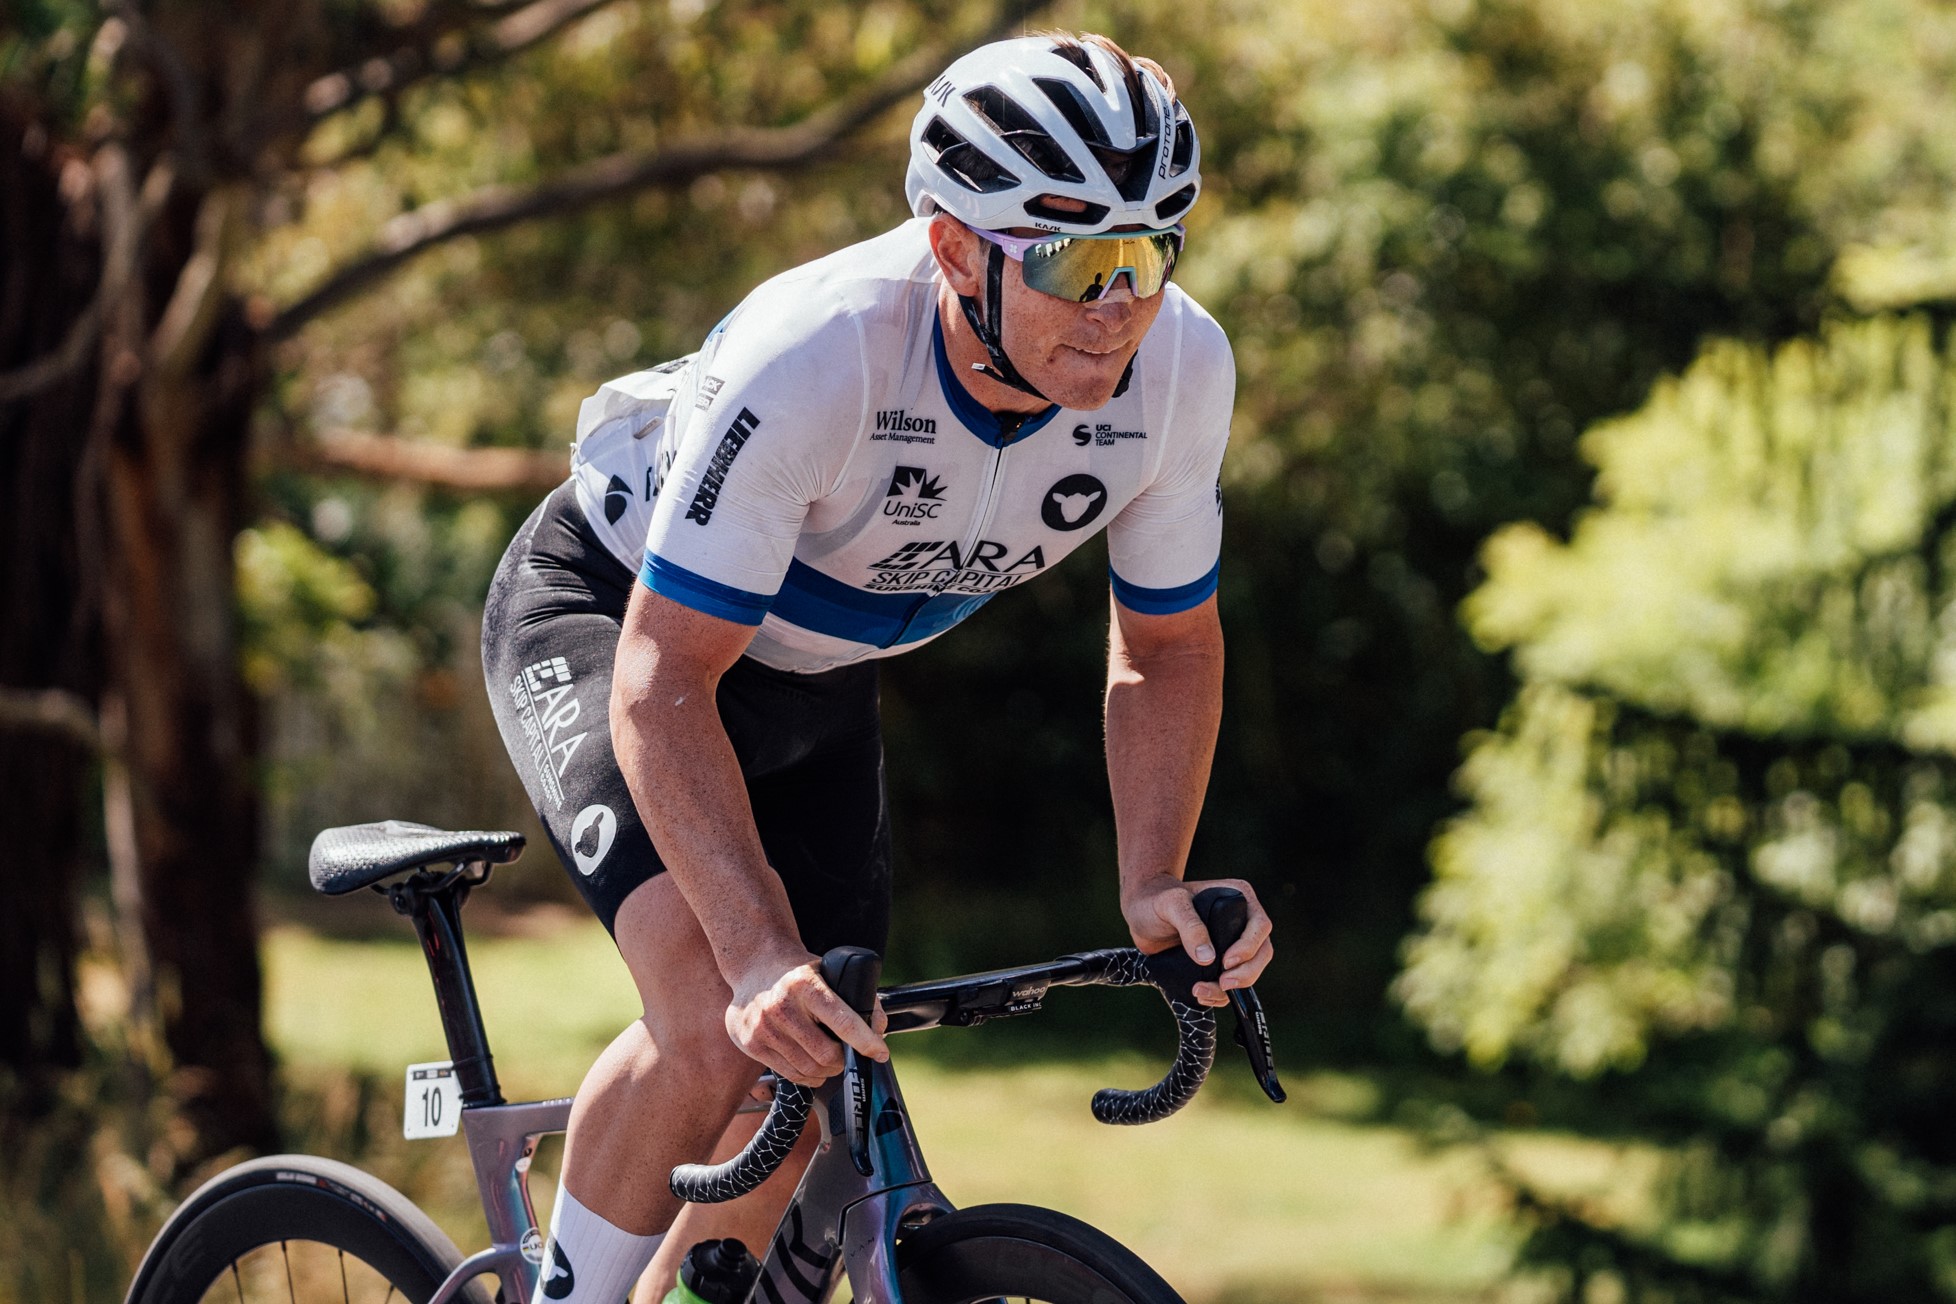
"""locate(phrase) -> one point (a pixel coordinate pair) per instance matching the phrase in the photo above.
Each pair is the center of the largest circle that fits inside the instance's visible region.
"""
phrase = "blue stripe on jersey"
(977, 418)
(826, 605)
(1165, 602)
(688, 589)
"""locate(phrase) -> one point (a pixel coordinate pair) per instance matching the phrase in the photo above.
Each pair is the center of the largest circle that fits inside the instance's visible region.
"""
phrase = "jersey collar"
(996, 428)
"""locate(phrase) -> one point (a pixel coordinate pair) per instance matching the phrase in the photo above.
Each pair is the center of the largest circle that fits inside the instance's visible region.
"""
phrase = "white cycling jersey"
(816, 469)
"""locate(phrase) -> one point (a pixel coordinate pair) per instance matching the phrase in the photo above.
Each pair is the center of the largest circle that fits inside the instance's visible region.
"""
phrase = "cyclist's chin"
(1080, 380)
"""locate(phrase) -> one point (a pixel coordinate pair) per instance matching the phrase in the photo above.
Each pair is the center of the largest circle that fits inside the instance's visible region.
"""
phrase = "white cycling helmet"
(1016, 122)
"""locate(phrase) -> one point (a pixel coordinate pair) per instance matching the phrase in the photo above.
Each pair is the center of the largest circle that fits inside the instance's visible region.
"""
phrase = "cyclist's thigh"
(825, 825)
(550, 636)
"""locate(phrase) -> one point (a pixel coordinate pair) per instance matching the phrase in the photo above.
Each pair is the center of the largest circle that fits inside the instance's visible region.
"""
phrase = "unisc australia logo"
(914, 496)
(1074, 503)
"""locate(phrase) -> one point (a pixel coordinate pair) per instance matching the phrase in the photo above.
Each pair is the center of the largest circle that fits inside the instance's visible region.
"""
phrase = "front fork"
(842, 1219)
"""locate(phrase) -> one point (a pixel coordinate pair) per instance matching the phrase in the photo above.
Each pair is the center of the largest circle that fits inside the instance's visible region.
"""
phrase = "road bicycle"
(294, 1227)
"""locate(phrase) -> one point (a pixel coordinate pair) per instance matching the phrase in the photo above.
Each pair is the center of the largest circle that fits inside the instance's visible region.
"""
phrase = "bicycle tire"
(1018, 1252)
(351, 1228)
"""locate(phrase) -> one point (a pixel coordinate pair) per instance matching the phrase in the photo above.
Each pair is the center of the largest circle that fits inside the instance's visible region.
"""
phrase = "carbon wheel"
(297, 1229)
(1014, 1252)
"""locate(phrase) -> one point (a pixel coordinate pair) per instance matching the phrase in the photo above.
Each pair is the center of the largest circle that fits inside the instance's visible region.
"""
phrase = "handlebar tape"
(1225, 913)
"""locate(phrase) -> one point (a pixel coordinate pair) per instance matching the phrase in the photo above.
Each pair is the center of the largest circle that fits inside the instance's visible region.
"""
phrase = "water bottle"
(715, 1272)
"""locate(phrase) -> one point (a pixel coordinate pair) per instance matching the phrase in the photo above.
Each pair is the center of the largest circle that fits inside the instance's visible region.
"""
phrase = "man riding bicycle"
(681, 641)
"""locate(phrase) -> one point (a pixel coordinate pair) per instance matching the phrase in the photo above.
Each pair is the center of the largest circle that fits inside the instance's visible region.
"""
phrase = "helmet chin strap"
(988, 325)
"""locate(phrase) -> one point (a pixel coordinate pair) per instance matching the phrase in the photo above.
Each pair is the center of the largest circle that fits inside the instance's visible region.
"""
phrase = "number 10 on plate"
(434, 1101)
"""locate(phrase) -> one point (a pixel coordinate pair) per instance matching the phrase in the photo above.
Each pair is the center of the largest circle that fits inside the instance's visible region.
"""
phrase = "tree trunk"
(48, 629)
(179, 709)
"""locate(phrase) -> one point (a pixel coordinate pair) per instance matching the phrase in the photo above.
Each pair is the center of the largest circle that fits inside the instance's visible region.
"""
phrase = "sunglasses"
(1081, 268)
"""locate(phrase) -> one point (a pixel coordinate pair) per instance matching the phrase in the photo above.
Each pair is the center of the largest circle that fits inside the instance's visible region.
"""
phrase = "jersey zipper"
(980, 519)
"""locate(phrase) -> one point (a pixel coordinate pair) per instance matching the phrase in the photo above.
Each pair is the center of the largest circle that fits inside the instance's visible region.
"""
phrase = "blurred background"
(1591, 704)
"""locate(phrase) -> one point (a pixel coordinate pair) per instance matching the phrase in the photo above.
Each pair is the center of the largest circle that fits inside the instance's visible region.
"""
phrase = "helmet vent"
(964, 162)
(1076, 55)
(1184, 152)
(1091, 215)
(1129, 169)
(1023, 133)
(1173, 206)
(1072, 105)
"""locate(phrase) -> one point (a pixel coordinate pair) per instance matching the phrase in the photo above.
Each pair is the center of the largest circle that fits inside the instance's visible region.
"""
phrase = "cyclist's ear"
(960, 254)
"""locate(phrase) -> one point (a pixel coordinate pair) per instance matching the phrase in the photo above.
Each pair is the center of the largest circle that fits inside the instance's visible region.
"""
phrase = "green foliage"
(1443, 238)
(1712, 846)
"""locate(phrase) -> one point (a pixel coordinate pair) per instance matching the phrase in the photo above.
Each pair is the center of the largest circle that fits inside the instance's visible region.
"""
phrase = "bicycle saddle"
(357, 855)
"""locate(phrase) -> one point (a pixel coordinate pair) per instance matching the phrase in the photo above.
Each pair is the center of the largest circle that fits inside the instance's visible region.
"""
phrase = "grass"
(1233, 1200)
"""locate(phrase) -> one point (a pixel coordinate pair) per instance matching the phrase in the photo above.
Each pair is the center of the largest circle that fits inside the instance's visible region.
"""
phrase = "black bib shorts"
(810, 746)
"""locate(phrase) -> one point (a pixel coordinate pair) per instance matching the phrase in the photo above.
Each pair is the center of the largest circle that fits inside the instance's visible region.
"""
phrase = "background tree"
(1710, 865)
(157, 150)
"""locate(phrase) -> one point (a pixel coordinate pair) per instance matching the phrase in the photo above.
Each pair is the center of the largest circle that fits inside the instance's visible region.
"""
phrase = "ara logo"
(548, 712)
(914, 496)
(1074, 503)
(591, 836)
(701, 509)
(559, 1281)
(617, 499)
(941, 566)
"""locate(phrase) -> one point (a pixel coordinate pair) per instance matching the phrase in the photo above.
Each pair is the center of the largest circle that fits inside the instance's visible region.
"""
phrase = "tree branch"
(51, 369)
(50, 710)
(421, 461)
(445, 53)
(617, 175)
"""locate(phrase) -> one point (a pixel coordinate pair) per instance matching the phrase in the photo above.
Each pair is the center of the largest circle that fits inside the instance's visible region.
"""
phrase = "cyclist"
(681, 641)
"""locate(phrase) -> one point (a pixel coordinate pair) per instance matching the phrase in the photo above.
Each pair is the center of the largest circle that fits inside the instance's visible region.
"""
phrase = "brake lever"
(1253, 1035)
(852, 972)
(1226, 913)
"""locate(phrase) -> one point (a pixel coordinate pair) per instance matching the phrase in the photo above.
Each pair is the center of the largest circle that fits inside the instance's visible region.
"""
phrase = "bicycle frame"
(838, 1219)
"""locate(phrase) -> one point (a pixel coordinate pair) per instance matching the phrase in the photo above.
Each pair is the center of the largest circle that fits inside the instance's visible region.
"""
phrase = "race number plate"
(434, 1101)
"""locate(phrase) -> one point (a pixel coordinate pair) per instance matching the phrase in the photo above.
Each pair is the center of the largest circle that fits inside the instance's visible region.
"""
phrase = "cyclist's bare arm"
(1164, 703)
(686, 782)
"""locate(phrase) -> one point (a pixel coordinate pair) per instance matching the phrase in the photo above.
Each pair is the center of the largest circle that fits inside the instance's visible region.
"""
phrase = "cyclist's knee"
(695, 1042)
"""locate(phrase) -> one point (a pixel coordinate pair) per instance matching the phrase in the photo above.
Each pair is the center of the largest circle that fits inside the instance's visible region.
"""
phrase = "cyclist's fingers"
(1210, 994)
(1178, 909)
(835, 1014)
(1246, 973)
(1255, 939)
(811, 1038)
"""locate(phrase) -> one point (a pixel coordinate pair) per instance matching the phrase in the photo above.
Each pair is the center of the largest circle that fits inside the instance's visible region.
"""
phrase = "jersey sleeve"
(778, 399)
(1164, 549)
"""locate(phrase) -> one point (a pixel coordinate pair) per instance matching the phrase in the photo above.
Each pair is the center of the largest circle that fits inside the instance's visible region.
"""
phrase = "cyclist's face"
(1074, 352)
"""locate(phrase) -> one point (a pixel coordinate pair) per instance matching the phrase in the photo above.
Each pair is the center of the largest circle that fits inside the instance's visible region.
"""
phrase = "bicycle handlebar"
(852, 971)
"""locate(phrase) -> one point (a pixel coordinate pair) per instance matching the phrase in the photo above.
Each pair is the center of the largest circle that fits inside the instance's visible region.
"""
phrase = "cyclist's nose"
(1117, 302)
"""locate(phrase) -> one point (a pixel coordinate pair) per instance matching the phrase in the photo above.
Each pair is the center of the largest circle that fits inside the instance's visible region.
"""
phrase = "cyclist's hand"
(1161, 913)
(785, 1016)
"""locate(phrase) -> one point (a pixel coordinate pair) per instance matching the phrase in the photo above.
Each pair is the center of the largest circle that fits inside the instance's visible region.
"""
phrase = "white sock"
(588, 1260)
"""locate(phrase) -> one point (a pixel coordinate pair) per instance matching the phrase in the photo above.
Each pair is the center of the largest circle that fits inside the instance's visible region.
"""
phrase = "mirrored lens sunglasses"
(1081, 268)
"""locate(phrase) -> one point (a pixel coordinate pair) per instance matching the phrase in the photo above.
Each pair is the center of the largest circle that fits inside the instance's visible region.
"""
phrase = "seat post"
(437, 916)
